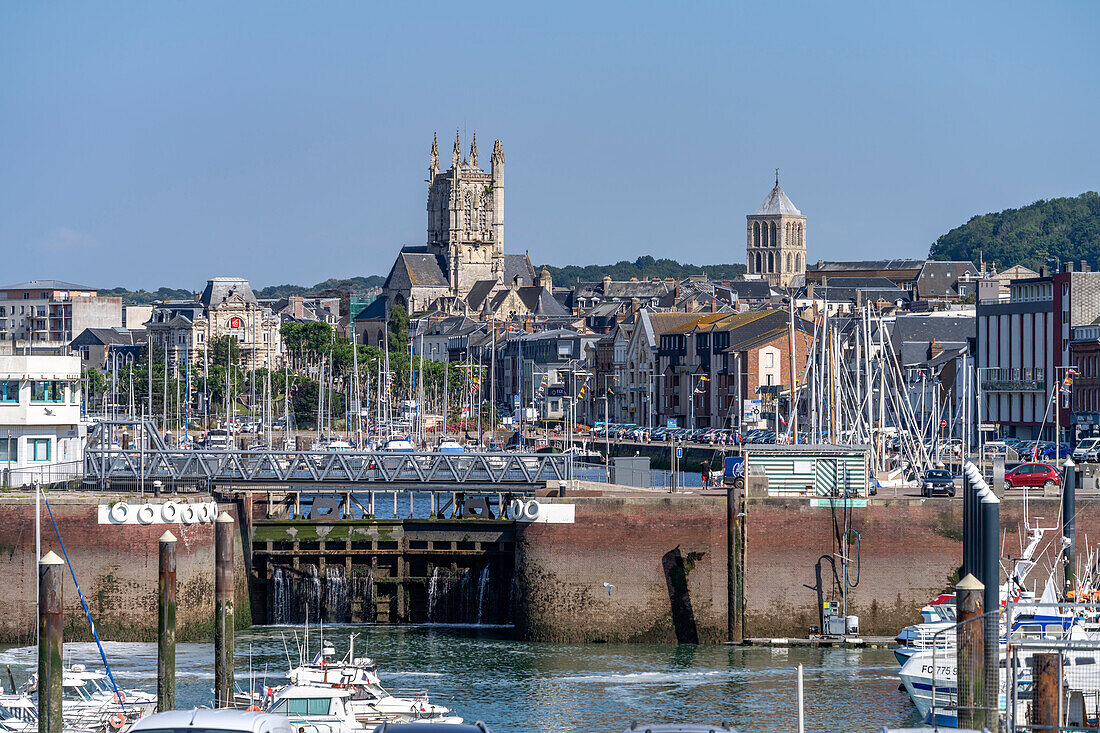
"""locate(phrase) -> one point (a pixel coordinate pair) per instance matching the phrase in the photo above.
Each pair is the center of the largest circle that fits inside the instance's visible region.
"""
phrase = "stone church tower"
(777, 240)
(466, 216)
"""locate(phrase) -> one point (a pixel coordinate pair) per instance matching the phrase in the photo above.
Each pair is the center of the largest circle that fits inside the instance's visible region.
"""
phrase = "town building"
(1024, 349)
(41, 437)
(710, 365)
(183, 329)
(42, 312)
(103, 348)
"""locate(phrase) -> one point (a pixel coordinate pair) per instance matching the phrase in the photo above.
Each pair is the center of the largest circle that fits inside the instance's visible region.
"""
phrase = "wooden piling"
(223, 611)
(50, 625)
(734, 620)
(969, 654)
(1047, 675)
(166, 624)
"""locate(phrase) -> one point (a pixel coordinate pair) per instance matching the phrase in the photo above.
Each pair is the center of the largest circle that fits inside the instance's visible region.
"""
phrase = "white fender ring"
(170, 512)
(206, 512)
(120, 512)
(188, 514)
(146, 513)
(515, 509)
(531, 510)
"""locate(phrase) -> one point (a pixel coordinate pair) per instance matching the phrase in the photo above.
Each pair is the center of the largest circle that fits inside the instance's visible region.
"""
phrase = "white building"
(40, 431)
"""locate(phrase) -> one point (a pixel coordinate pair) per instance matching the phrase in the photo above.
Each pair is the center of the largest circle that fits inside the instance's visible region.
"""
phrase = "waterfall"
(307, 594)
(463, 596)
(336, 594)
(362, 588)
(482, 594)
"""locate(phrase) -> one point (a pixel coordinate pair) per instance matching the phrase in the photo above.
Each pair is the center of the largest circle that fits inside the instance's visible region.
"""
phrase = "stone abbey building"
(777, 241)
(463, 269)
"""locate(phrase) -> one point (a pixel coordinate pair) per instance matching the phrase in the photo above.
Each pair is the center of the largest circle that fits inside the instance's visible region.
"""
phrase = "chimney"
(606, 283)
(934, 349)
(1067, 267)
(1085, 266)
(809, 290)
(676, 294)
(1043, 271)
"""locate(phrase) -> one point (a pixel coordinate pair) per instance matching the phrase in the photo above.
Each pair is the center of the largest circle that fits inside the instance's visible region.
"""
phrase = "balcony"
(1013, 379)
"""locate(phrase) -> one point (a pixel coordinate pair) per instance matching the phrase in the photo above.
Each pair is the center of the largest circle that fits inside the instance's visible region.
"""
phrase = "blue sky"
(162, 143)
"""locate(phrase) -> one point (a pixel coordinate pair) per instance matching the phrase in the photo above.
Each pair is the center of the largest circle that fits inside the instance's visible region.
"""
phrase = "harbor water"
(520, 687)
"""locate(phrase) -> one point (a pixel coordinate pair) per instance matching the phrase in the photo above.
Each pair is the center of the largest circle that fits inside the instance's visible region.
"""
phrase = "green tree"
(398, 329)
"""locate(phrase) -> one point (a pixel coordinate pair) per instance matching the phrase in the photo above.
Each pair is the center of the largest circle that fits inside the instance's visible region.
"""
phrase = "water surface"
(521, 687)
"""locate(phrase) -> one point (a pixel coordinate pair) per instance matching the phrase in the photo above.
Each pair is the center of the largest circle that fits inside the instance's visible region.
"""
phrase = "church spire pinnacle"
(473, 150)
(456, 154)
(434, 162)
(777, 178)
(498, 152)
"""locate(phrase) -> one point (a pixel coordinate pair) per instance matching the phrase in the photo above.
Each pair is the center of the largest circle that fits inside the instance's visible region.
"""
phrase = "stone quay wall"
(116, 566)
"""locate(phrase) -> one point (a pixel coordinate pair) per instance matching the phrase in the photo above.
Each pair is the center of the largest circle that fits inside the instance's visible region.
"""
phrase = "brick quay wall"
(664, 558)
(116, 566)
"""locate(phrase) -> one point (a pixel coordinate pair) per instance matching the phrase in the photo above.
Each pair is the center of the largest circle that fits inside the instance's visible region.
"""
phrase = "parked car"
(1033, 474)
(1047, 452)
(937, 481)
(1087, 451)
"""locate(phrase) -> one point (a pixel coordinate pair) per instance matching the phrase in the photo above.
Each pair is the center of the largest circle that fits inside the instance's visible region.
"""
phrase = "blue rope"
(87, 613)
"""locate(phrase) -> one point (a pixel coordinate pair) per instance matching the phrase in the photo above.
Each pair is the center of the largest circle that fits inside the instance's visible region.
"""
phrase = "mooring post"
(50, 625)
(223, 611)
(166, 624)
(968, 529)
(991, 601)
(1069, 527)
(969, 654)
(1047, 675)
(734, 622)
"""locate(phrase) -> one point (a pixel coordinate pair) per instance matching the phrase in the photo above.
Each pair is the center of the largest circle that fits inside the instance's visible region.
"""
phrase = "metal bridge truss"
(337, 467)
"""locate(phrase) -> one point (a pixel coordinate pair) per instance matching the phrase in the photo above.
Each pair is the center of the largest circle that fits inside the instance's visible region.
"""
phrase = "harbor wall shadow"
(679, 597)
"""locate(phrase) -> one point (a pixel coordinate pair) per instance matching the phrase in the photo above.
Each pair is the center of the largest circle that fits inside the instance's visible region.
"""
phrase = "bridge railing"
(353, 467)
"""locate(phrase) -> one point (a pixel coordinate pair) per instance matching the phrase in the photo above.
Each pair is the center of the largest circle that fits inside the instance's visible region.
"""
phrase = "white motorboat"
(89, 702)
(18, 713)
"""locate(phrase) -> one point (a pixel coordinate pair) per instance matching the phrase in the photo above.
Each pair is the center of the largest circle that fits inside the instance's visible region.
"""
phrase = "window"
(39, 449)
(769, 360)
(303, 706)
(50, 391)
(9, 449)
(9, 390)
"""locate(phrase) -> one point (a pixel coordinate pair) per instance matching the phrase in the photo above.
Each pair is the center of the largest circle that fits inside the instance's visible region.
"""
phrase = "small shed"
(810, 470)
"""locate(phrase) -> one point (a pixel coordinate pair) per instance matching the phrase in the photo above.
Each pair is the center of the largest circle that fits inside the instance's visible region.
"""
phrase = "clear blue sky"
(161, 143)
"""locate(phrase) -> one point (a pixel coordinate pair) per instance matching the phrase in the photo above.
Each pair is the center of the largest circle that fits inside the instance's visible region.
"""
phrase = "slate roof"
(750, 289)
(913, 334)
(518, 265)
(479, 291)
(777, 203)
(47, 285)
(373, 312)
(857, 265)
(109, 337)
(219, 289)
(540, 301)
(423, 268)
(941, 279)
(859, 294)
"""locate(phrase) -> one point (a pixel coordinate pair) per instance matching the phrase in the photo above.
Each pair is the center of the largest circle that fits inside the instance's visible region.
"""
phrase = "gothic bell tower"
(466, 215)
(776, 249)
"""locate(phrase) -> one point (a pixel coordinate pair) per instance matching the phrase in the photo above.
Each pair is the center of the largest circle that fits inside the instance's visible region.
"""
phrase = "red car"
(1033, 474)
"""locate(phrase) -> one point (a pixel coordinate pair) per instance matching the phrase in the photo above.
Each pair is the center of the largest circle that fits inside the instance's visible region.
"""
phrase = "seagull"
(609, 587)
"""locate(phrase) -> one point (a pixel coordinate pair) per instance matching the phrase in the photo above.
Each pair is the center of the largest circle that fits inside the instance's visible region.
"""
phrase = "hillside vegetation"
(358, 285)
(1064, 228)
(644, 266)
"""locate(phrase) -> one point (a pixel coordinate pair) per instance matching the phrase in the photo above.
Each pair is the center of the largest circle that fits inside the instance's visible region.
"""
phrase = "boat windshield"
(303, 706)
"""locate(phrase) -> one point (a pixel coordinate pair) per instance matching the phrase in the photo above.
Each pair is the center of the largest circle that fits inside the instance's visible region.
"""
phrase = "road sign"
(943, 423)
(679, 452)
(987, 427)
(670, 422)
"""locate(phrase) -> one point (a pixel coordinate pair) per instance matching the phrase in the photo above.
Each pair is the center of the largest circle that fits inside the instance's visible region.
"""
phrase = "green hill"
(644, 266)
(1065, 228)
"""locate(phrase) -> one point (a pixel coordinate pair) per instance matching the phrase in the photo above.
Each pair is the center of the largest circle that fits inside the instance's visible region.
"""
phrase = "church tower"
(776, 249)
(466, 216)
